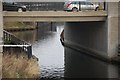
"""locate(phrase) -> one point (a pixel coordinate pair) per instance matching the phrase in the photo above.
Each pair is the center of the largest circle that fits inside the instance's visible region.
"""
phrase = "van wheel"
(75, 10)
(20, 10)
(97, 8)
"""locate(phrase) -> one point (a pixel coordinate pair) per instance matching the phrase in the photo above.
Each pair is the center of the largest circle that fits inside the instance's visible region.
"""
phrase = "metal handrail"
(10, 38)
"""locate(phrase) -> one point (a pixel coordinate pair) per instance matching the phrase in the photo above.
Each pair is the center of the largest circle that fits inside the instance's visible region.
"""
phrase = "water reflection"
(79, 65)
(50, 52)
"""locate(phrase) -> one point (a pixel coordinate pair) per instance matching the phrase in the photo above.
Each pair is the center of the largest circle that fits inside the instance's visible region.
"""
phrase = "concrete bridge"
(95, 32)
(98, 37)
(55, 16)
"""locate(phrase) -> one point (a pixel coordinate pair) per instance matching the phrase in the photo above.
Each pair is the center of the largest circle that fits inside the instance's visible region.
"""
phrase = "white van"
(80, 5)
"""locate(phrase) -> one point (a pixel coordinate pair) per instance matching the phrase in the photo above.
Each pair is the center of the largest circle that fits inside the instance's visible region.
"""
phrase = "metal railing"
(9, 39)
(53, 6)
(44, 6)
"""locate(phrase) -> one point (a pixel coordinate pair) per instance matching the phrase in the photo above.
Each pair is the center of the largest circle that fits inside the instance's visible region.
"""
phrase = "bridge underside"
(88, 37)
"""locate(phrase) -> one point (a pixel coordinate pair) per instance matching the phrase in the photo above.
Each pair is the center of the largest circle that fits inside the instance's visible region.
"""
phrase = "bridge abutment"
(113, 29)
(88, 37)
(96, 38)
(1, 26)
(99, 37)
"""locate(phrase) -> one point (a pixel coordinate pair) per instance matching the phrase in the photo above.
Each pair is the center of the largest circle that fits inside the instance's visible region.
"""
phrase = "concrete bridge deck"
(55, 16)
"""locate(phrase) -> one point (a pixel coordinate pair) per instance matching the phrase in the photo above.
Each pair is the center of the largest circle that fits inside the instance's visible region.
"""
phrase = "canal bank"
(16, 64)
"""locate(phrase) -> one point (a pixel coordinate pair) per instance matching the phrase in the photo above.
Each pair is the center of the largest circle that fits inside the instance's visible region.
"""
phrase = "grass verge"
(20, 67)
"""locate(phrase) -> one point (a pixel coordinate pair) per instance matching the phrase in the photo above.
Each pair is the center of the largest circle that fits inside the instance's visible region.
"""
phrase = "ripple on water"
(52, 72)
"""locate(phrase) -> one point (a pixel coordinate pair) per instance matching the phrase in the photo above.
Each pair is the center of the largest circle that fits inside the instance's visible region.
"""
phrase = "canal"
(55, 61)
(47, 48)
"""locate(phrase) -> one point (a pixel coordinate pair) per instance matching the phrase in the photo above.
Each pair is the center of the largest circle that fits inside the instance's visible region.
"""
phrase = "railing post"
(29, 51)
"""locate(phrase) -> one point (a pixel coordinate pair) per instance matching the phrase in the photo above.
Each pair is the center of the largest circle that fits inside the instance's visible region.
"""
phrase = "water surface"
(54, 62)
(47, 48)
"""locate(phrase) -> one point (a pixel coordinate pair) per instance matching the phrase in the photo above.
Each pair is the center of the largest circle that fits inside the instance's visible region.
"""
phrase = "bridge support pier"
(99, 37)
(1, 26)
(113, 14)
